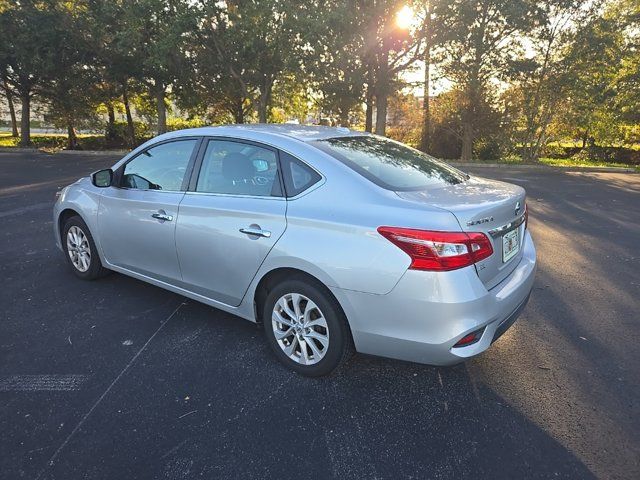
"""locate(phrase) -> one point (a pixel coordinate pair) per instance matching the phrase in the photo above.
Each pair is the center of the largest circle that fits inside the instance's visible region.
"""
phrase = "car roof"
(305, 133)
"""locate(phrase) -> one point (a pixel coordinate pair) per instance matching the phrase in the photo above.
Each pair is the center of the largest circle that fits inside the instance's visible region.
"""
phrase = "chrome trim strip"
(509, 226)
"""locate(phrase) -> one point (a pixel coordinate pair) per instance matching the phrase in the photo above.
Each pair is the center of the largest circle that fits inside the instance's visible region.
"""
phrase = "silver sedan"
(334, 240)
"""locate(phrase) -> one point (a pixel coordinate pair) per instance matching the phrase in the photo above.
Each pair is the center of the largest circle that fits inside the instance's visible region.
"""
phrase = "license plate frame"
(510, 245)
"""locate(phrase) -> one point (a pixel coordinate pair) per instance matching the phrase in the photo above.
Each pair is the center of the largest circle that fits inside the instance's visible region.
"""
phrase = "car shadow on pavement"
(208, 398)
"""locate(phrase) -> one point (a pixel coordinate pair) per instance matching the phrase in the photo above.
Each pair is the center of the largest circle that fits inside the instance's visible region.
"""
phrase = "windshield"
(390, 164)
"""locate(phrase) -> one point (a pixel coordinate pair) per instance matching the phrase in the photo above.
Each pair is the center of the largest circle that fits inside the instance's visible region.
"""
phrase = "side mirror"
(102, 178)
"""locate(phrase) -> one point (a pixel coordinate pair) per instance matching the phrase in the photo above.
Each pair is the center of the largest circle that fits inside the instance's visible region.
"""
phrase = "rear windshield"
(390, 164)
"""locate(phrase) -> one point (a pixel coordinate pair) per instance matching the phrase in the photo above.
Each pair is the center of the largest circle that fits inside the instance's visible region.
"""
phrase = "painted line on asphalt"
(41, 383)
(104, 394)
(28, 208)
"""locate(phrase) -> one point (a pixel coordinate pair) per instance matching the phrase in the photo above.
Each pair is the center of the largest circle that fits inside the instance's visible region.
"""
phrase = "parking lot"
(119, 379)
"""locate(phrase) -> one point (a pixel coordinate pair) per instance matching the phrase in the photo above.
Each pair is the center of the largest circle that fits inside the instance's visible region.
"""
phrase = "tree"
(480, 39)
(257, 43)
(388, 51)
(334, 61)
(542, 79)
(69, 87)
(156, 35)
(425, 131)
(4, 86)
(595, 58)
(26, 52)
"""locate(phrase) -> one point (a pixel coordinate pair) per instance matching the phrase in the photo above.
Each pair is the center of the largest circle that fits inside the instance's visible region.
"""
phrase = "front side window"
(237, 168)
(159, 168)
(390, 164)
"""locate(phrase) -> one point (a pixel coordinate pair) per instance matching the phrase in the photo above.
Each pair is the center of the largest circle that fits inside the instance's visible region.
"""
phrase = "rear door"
(231, 217)
(137, 216)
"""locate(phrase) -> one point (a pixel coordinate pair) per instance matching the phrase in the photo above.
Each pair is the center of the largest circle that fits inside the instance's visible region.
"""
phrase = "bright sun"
(405, 17)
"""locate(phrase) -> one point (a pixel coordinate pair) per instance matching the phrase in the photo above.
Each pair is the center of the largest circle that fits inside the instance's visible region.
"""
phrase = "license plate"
(510, 245)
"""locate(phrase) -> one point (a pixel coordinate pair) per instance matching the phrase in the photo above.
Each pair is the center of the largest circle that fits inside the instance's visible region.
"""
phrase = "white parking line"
(41, 383)
(104, 394)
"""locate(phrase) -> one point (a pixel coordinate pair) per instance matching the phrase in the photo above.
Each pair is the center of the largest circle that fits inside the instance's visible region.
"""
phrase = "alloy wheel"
(300, 329)
(78, 248)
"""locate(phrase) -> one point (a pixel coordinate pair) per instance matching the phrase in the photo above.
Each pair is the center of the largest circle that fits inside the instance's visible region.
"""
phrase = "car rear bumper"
(427, 313)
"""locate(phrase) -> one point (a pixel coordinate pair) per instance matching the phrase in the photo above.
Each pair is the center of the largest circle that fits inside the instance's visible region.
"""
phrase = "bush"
(142, 131)
(180, 124)
(609, 154)
(489, 148)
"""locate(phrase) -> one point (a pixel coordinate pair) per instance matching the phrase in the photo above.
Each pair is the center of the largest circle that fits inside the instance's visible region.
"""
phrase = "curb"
(544, 168)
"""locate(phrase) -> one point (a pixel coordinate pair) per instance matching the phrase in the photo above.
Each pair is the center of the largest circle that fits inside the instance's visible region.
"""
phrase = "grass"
(558, 162)
(575, 144)
(573, 162)
(58, 141)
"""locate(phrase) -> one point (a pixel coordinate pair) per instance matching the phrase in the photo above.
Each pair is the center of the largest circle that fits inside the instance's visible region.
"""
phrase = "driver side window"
(162, 167)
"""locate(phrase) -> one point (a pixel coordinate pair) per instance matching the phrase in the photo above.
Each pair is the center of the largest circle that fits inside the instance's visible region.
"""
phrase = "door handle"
(162, 216)
(256, 231)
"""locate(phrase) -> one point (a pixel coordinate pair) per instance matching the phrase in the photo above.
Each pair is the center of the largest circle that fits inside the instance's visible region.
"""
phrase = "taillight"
(439, 251)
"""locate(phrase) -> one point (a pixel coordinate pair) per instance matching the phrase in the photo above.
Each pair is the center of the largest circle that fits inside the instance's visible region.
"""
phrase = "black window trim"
(193, 183)
(119, 172)
(286, 173)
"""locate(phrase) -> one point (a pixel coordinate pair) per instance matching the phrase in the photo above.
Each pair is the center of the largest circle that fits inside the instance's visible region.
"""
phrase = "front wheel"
(306, 328)
(80, 250)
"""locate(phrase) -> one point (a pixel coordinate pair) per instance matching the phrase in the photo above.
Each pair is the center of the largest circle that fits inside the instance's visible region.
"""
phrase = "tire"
(325, 323)
(86, 264)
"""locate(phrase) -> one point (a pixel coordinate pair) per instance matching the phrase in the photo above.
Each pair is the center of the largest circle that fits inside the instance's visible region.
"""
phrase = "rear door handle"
(162, 216)
(256, 231)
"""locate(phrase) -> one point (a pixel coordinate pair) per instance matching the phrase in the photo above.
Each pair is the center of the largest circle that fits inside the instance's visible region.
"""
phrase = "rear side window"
(298, 176)
(238, 168)
(390, 164)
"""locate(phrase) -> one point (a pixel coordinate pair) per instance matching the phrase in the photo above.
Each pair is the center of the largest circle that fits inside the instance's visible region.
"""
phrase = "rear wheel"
(80, 250)
(306, 328)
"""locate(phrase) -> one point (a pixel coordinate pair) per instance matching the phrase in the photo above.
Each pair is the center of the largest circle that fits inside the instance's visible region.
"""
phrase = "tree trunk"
(111, 123)
(368, 123)
(264, 101)
(162, 109)
(72, 137)
(131, 133)
(238, 112)
(25, 119)
(425, 134)
(467, 142)
(12, 109)
(381, 113)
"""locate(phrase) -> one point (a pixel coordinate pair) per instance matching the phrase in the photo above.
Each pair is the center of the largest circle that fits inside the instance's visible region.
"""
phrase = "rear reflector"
(470, 339)
(439, 251)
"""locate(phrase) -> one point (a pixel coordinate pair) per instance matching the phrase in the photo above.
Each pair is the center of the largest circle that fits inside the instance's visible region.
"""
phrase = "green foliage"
(522, 74)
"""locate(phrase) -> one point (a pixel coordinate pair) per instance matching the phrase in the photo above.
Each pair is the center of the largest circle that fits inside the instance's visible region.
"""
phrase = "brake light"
(439, 251)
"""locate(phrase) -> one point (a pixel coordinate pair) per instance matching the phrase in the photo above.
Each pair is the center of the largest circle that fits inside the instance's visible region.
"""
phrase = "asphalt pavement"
(117, 379)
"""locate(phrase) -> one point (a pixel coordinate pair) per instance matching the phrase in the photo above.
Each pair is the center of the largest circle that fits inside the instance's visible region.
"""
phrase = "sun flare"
(405, 17)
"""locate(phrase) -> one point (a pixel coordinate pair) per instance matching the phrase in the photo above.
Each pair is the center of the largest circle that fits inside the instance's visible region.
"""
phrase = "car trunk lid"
(488, 206)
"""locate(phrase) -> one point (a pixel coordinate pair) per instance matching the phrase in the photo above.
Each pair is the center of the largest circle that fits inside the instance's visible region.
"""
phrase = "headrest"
(237, 166)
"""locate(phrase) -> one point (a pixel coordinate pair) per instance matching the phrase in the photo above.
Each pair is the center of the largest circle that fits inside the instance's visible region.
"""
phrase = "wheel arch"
(277, 275)
(65, 215)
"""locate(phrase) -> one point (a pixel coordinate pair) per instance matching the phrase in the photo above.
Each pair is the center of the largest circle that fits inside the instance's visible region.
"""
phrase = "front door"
(231, 220)
(137, 217)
